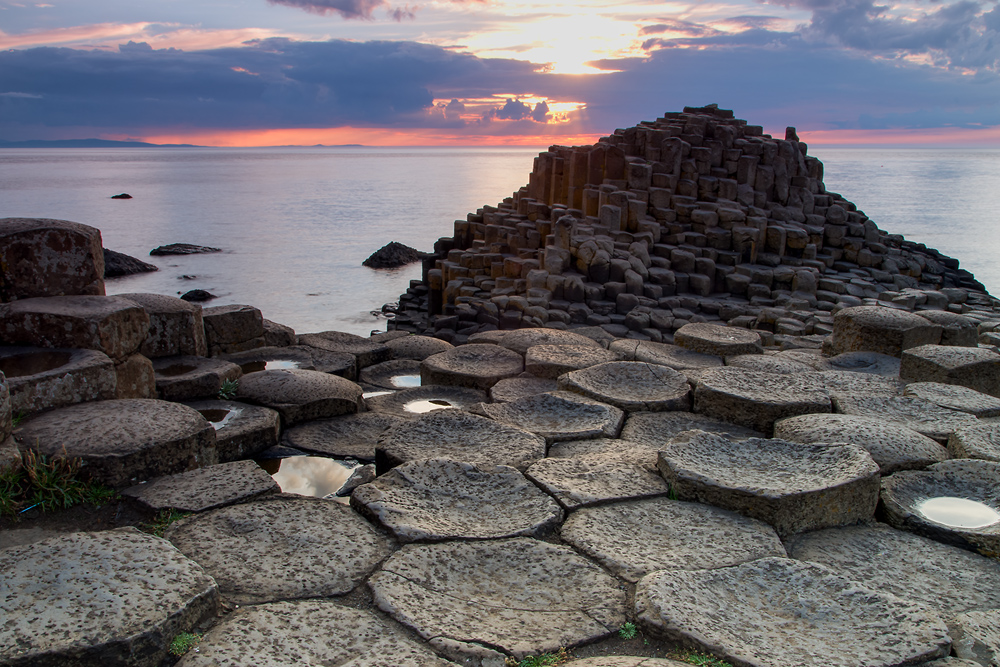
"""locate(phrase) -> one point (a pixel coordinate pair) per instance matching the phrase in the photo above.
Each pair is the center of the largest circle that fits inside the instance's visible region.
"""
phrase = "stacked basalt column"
(697, 216)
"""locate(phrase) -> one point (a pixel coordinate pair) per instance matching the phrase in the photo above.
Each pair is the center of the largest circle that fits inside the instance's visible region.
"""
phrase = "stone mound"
(392, 255)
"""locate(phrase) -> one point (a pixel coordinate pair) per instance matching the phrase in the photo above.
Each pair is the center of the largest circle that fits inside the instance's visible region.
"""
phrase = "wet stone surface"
(295, 356)
(313, 476)
(439, 499)
(420, 400)
(559, 415)
(631, 386)
(394, 374)
(596, 478)
(241, 430)
(538, 598)
(205, 488)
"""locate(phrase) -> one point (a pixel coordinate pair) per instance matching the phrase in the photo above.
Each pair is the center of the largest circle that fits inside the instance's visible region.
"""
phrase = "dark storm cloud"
(348, 9)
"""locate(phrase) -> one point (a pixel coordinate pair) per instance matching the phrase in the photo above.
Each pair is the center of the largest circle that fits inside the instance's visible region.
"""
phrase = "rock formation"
(392, 255)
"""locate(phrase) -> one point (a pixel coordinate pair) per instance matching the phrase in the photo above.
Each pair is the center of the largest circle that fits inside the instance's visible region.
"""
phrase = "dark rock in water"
(123, 195)
(182, 249)
(119, 264)
(392, 255)
(197, 295)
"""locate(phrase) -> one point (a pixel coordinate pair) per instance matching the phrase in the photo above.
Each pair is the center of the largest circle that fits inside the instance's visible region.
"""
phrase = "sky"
(494, 72)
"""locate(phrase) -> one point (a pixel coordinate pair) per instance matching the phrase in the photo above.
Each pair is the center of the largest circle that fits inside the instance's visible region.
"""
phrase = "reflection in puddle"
(175, 369)
(405, 381)
(220, 418)
(372, 394)
(315, 476)
(270, 365)
(958, 512)
(427, 405)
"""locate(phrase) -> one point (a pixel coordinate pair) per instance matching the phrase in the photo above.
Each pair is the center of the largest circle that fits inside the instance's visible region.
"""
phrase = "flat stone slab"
(956, 502)
(300, 395)
(881, 329)
(955, 397)
(672, 356)
(655, 429)
(718, 340)
(521, 340)
(296, 356)
(367, 352)
(186, 378)
(311, 632)
(122, 442)
(440, 499)
(520, 595)
(416, 347)
(981, 441)
(473, 366)
(973, 367)
(853, 384)
(241, 430)
(775, 612)
(756, 400)
(281, 548)
(914, 413)
(428, 398)
(635, 452)
(175, 326)
(512, 389)
(637, 537)
(394, 374)
(559, 415)
(792, 486)
(591, 479)
(892, 446)
(872, 363)
(551, 361)
(41, 378)
(943, 578)
(769, 363)
(956, 329)
(348, 436)
(461, 436)
(113, 597)
(631, 386)
(205, 488)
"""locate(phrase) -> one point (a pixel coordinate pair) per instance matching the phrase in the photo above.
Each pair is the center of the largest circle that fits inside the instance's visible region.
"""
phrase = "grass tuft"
(702, 659)
(162, 520)
(628, 630)
(184, 642)
(560, 657)
(17, 419)
(228, 390)
(48, 483)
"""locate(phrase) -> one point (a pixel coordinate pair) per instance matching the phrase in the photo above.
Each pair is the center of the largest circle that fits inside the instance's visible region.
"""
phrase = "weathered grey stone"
(281, 548)
(113, 597)
(6, 413)
(590, 479)
(393, 374)
(718, 340)
(295, 356)
(175, 326)
(416, 401)
(278, 335)
(122, 442)
(347, 436)
(881, 329)
(655, 429)
(641, 454)
(363, 474)
(135, 377)
(892, 446)
(10, 457)
(233, 328)
(978, 637)
(946, 579)
(205, 488)
(42, 257)
(40, 378)
(866, 362)
(756, 400)
(914, 413)
(440, 499)
(366, 351)
(522, 339)
(909, 497)
(769, 364)
(950, 662)
(416, 347)
(672, 356)
(473, 366)
(792, 486)
(559, 415)
(810, 357)
(637, 537)
(458, 435)
(776, 611)
(110, 324)
(631, 385)
(300, 395)
(972, 367)
(980, 441)
(511, 389)
(538, 598)
(956, 329)
(241, 430)
(551, 361)
(310, 632)
(186, 378)
(852, 384)
(956, 397)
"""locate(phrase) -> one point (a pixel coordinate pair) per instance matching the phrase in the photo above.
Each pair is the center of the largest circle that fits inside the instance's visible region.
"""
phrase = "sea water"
(294, 224)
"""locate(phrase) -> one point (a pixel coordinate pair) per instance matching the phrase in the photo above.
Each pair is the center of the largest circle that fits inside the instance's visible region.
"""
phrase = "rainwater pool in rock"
(270, 365)
(315, 476)
(427, 405)
(406, 381)
(958, 512)
(220, 418)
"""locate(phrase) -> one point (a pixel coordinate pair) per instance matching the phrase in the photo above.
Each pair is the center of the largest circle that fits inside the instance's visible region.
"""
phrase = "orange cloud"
(109, 35)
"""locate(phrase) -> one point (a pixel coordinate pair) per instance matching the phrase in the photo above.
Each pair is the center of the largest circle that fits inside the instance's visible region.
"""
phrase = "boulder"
(197, 296)
(41, 378)
(118, 264)
(881, 329)
(392, 255)
(182, 249)
(300, 395)
(40, 257)
(233, 328)
(175, 326)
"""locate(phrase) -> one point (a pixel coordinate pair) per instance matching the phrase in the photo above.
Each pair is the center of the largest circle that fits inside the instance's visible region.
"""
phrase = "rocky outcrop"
(43, 257)
(392, 255)
(119, 264)
(183, 249)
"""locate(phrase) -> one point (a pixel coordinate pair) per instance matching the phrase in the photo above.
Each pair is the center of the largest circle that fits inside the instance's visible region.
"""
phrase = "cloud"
(348, 9)
(540, 114)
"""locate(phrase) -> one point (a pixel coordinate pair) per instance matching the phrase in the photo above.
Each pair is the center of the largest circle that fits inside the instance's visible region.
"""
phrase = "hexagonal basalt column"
(793, 487)
(429, 398)
(233, 328)
(551, 361)
(347, 436)
(955, 397)
(909, 411)
(473, 366)
(295, 356)
(522, 339)
(205, 488)
(883, 330)
(672, 356)
(631, 385)
(42, 257)
(972, 367)
(367, 352)
(520, 595)
(300, 395)
(187, 378)
(655, 429)
(241, 430)
(588, 479)
(559, 415)
(42, 378)
(981, 441)
(175, 326)
(416, 347)
(718, 340)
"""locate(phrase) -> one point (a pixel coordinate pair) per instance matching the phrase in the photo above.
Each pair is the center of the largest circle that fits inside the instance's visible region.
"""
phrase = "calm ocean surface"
(296, 223)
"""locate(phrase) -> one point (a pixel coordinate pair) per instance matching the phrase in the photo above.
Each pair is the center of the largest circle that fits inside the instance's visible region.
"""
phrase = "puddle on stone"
(315, 476)
(372, 394)
(427, 405)
(958, 512)
(220, 418)
(33, 363)
(175, 369)
(269, 365)
(405, 381)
